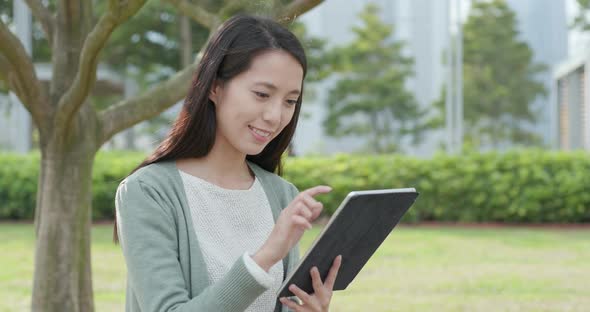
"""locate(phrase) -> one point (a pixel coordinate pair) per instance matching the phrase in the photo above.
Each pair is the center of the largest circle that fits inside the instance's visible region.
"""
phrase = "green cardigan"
(165, 267)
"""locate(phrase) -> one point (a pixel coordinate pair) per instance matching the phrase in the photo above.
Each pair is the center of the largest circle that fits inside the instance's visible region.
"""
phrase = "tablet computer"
(356, 229)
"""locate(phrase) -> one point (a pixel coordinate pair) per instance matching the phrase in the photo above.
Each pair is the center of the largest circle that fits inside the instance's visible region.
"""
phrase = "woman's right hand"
(290, 226)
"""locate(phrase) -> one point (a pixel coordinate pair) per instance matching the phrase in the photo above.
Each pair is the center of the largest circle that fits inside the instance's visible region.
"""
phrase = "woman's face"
(255, 106)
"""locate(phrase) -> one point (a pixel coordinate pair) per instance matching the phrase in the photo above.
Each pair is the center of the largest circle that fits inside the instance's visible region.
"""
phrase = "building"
(571, 109)
(15, 120)
(422, 24)
(542, 24)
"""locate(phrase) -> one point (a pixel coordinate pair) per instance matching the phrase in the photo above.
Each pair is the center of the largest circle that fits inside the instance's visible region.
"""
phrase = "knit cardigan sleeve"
(147, 233)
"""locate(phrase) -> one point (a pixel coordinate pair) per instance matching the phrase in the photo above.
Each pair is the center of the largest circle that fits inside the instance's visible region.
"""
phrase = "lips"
(260, 132)
(260, 135)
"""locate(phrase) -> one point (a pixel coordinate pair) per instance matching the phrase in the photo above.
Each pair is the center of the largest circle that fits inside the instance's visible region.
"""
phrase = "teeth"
(260, 132)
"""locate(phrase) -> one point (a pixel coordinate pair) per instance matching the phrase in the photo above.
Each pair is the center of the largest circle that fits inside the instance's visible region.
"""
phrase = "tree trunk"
(62, 253)
(62, 279)
(376, 145)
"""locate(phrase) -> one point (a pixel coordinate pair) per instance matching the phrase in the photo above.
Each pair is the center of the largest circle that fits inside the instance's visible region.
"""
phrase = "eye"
(292, 102)
(261, 95)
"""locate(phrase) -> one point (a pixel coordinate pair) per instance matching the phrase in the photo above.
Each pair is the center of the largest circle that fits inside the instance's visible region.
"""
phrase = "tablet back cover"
(356, 231)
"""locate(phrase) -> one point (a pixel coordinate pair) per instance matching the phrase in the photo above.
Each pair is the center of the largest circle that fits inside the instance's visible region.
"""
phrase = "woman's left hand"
(320, 300)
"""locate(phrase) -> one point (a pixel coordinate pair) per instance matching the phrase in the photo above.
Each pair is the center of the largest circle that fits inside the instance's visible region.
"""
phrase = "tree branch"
(196, 12)
(295, 9)
(117, 13)
(5, 71)
(41, 13)
(232, 6)
(149, 104)
(21, 77)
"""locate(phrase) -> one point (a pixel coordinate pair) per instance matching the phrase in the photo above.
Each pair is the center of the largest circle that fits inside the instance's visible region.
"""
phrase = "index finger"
(331, 279)
(317, 190)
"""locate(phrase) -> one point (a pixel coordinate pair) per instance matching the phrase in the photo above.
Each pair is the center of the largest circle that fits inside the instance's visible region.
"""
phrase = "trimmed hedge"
(518, 186)
(18, 185)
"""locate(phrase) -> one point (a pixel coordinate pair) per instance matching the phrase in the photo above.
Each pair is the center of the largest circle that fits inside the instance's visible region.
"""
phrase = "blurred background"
(514, 70)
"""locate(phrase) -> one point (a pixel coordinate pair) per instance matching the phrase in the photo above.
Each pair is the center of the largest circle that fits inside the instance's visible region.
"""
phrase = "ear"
(215, 93)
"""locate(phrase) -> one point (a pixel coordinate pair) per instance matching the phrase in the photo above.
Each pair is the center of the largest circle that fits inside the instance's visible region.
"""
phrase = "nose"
(272, 113)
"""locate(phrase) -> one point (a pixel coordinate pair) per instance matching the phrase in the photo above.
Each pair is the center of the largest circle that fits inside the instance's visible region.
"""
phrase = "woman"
(204, 222)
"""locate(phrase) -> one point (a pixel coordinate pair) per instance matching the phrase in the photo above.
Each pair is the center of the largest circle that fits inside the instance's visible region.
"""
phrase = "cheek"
(229, 121)
(286, 118)
(235, 113)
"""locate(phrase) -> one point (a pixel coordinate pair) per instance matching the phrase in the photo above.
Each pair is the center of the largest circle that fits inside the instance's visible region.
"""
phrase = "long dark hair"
(229, 52)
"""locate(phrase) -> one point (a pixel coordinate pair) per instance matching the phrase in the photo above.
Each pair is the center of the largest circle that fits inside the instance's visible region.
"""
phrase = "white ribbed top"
(230, 224)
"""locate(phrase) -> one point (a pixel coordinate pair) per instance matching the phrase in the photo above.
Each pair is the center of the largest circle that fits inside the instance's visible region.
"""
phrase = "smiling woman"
(261, 99)
(206, 223)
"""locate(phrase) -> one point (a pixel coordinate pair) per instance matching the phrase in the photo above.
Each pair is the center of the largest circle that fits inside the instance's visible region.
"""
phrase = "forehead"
(276, 67)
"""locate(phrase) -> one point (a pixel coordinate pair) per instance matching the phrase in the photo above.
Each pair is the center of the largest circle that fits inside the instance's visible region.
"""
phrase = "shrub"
(517, 186)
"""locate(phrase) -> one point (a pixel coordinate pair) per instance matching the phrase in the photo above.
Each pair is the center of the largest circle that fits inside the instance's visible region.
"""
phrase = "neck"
(220, 163)
(224, 166)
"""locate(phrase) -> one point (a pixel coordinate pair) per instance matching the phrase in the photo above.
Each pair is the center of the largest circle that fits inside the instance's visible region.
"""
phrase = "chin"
(253, 149)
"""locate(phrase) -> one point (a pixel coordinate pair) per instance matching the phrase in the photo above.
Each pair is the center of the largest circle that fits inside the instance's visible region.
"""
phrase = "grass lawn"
(416, 269)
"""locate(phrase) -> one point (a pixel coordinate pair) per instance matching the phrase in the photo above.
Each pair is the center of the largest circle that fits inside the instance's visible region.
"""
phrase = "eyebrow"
(273, 87)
